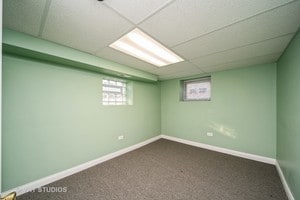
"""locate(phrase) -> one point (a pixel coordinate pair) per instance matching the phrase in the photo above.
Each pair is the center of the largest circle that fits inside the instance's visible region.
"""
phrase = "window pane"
(111, 97)
(119, 84)
(105, 97)
(105, 82)
(111, 89)
(197, 89)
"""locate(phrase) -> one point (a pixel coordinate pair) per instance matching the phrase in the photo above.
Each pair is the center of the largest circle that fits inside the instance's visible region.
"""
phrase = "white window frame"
(198, 89)
(114, 92)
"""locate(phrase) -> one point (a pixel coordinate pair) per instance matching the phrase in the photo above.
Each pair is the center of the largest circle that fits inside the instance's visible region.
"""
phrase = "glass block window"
(114, 92)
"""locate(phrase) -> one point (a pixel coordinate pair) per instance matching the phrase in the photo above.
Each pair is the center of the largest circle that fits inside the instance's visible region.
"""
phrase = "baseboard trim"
(60, 175)
(239, 154)
(284, 182)
(222, 150)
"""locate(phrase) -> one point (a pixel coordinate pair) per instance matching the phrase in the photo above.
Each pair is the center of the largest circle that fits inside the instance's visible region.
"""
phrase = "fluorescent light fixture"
(138, 44)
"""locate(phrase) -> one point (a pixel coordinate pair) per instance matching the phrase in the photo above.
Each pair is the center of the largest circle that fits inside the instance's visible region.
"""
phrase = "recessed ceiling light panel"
(138, 44)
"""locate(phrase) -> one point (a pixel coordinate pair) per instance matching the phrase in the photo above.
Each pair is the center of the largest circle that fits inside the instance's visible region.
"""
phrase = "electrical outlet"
(209, 134)
(120, 137)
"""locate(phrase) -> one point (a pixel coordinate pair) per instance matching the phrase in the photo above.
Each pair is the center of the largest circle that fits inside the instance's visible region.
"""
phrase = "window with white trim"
(196, 89)
(114, 92)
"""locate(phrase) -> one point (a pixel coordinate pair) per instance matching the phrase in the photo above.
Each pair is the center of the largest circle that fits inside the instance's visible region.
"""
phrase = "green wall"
(288, 116)
(241, 114)
(53, 119)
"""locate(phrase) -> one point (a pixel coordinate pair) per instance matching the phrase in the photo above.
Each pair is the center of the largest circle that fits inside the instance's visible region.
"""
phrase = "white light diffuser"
(138, 44)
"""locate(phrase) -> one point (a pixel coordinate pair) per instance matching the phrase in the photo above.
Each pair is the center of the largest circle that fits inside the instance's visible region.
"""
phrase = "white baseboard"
(55, 177)
(285, 184)
(222, 150)
(239, 154)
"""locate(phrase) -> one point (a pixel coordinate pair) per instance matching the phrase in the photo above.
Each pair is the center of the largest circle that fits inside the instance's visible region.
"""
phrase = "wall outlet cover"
(210, 134)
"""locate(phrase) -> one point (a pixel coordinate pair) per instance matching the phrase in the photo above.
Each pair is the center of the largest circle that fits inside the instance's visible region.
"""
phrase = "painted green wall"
(53, 119)
(241, 114)
(288, 116)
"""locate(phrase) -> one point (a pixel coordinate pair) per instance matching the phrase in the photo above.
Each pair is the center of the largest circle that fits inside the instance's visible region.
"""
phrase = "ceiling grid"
(211, 35)
(44, 17)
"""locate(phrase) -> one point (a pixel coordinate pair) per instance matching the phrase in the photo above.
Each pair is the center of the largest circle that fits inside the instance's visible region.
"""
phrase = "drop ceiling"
(211, 35)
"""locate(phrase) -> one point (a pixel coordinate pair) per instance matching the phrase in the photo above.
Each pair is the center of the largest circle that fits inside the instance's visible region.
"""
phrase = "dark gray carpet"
(166, 170)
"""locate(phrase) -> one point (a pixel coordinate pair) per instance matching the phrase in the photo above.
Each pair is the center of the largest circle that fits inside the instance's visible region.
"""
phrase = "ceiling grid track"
(120, 15)
(246, 45)
(223, 34)
(236, 22)
(137, 24)
(156, 11)
(239, 60)
(44, 17)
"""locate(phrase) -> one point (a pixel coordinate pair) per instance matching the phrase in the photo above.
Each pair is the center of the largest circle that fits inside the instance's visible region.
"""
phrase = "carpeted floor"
(166, 170)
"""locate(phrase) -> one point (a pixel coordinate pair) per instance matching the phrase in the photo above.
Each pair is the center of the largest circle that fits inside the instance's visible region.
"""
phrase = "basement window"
(196, 89)
(114, 92)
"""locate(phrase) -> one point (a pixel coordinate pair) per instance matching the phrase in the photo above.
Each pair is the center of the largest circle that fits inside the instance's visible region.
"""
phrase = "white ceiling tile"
(177, 67)
(187, 19)
(180, 74)
(119, 57)
(263, 48)
(271, 58)
(277, 22)
(136, 10)
(85, 25)
(23, 16)
(219, 34)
